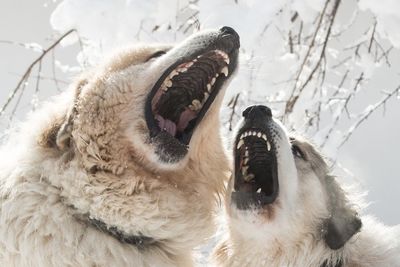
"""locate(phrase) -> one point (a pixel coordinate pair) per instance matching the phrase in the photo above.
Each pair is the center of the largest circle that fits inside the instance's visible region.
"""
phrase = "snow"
(274, 43)
(270, 61)
(387, 16)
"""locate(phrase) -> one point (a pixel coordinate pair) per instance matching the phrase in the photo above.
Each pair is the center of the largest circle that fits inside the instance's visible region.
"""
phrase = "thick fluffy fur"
(87, 152)
(296, 230)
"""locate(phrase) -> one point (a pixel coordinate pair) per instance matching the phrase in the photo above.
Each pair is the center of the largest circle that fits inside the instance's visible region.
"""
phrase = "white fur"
(42, 186)
(291, 237)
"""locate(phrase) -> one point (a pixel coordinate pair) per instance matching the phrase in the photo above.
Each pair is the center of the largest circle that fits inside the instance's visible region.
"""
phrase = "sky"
(371, 155)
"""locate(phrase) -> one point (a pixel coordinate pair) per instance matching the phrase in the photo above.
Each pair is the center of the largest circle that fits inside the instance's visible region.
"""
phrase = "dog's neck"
(139, 241)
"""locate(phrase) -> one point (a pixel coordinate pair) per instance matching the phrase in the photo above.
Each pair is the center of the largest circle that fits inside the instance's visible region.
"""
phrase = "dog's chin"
(256, 183)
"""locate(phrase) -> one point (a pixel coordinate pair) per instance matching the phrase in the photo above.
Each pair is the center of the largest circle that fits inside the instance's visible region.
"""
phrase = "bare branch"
(365, 116)
(234, 103)
(293, 99)
(28, 71)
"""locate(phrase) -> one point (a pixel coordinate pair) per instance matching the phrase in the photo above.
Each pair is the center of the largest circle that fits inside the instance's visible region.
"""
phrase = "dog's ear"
(343, 222)
(65, 131)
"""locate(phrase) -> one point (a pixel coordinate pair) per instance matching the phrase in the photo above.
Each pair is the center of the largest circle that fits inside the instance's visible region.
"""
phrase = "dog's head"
(157, 100)
(281, 187)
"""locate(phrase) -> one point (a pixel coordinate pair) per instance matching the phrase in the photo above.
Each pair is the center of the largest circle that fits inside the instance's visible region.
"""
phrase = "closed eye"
(156, 54)
(297, 152)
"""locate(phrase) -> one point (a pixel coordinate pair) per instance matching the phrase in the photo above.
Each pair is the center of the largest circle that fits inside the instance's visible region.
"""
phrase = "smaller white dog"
(285, 209)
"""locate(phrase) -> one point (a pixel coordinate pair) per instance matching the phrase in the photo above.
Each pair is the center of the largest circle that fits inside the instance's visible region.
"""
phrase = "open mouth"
(183, 94)
(256, 177)
(186, 92)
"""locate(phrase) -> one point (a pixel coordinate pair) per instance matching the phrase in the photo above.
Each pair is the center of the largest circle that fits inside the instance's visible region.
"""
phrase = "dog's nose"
(231, 36)
(258, 111)
(228, 30)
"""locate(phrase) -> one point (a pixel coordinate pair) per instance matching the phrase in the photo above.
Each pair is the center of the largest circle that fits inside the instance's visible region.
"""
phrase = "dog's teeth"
(254, 133)
(168, 83)
(240, 143)
(206, 95)
(164, 88)
(225, 71)
(249, 177)
(246, 153)
(264, 136)
(183, 69)
(258, 134)
(259, 190)
(173, 73)
(213, 81)
(226, 60)
(268, 146)
(208, 87)
(245, 134)
(196, 104)
(245, 160)
(189, 64)
(244, 170)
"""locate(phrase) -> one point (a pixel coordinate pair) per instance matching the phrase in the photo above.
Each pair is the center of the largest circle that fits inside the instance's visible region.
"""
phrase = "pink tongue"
(185, 118)
(166, 125)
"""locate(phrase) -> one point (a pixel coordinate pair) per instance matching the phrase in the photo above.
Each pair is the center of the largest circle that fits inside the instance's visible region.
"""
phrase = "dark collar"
(339, 264)
(140, 241)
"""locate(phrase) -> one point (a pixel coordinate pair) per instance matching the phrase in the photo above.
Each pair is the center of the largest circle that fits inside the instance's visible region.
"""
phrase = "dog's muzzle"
(186, 90)
(255, 177)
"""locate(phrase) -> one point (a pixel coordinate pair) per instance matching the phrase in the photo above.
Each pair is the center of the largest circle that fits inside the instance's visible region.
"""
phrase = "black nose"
(258, 111)
(230, 36)
(228, 30)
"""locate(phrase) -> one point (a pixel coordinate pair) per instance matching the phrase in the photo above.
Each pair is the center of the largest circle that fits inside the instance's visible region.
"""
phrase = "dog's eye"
(297, 152)
(156, 54)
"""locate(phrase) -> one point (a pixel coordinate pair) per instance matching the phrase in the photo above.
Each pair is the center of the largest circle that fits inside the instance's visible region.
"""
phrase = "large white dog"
(126, 169)
(284, 209)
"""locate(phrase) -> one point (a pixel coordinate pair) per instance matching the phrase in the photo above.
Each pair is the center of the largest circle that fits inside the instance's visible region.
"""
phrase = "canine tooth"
(225, 71)
(208, 87)
(258, 134)
(240, 143)
(213, 81)
(264, 136)
(268, 146)
(226, 59)
(259, 190)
